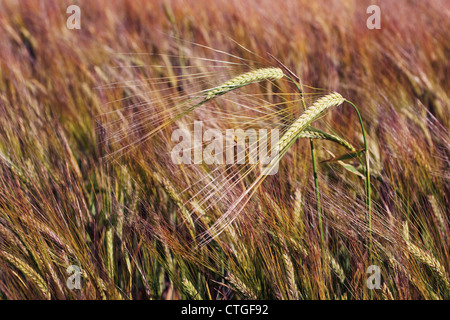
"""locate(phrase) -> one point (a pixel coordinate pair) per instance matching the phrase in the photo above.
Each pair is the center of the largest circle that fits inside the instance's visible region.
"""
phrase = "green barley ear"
(241, 80)
(190, 289)
(245, 79)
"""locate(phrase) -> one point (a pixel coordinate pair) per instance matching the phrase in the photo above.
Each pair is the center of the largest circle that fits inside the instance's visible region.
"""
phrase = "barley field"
(99, 199)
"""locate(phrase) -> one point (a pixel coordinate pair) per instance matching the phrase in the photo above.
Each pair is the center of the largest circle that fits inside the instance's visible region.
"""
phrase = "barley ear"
(312, 133)
(241, 287)
(320, 105)
(245, 79)
(190, 289)
(425, 258)
(293, 292)
(28, 272)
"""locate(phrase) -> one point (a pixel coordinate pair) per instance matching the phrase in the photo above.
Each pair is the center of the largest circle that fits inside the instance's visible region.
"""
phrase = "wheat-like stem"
(367, 186)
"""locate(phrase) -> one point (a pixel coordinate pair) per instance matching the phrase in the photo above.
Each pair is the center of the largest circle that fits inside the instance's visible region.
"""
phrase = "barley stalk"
(245, 79)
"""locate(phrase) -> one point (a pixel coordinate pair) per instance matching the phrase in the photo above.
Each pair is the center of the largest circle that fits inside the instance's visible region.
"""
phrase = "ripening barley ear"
(190, 289)
(172, 193)
(312, 133)
(245, 79)
(425, 257)
(242, 80)
(29, 272)
(293, 292)
(335, 267)
(442, 224)
(332, 100)
(386, 293)
(241, 287)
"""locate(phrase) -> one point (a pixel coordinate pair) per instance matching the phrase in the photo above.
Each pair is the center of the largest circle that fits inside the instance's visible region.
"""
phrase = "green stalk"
(314, 163)
(299, 86)
(316, 185)
(367, 177)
